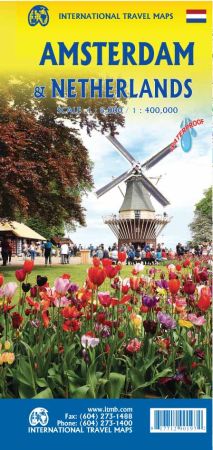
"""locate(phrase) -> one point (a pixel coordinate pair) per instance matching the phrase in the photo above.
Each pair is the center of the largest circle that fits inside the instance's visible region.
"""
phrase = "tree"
(45, 168)
(204, 206)
(201, 226)
(41, 227)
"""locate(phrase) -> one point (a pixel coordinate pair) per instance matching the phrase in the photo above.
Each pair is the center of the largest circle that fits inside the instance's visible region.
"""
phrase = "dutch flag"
(196, 15)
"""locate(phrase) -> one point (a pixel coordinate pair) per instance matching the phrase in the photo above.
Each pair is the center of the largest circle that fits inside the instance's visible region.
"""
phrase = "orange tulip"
(204, 300)
(174, 286)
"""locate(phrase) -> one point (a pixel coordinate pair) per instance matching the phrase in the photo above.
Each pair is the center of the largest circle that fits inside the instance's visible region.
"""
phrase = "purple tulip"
(162, 284)
(166, 320)
(73, 288)
(148, 301)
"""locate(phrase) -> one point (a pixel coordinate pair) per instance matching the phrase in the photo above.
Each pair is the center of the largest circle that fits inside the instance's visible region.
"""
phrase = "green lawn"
(77, 272)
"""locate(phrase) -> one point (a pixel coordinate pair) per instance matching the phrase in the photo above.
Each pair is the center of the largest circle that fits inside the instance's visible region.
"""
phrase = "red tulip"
(178, 267)
(172, 276)
(189, 287)
(174, 286)
(121, 256)
(71, 325)
(203, 275)
(134, 283)
(186, 263)
(45, 318)
(35, 305)
(125, 299)
(33, 291)
(196, 275)
(200, 275)
(7, 308)
(96, 275)
(104, 299)
(28, 266)
(96, 261)
(107, 348)
(204, 300)
(1, 279)
(125, 288)
(144, 309)
(111, 271)
(20, 275)
(16, 320)
(106, 262)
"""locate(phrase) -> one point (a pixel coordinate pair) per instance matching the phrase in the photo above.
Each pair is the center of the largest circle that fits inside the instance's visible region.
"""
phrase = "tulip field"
(144, 335)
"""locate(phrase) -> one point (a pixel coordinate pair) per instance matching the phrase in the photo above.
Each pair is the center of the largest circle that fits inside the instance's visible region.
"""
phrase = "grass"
(77, 272)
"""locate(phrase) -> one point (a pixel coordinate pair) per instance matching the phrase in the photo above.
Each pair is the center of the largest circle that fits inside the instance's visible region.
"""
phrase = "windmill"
(137, 222)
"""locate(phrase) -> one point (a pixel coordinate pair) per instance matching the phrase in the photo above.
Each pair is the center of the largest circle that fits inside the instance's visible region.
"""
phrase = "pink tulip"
(63, 301)
(199, 321)
(88, 341)
(10, 289)
(61, 285)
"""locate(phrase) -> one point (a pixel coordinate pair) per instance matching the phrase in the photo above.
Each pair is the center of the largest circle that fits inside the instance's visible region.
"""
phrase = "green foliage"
(204, 206)
(201, 226)
(45, 229)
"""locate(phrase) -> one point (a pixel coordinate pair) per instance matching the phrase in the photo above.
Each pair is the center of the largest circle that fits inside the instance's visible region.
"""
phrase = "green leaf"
(115, 385)
(188, 349)
(25, 374)
(25, 391)
(41, 382)
(161, 374)
(137, 377)
(47, 393)
(82, 392)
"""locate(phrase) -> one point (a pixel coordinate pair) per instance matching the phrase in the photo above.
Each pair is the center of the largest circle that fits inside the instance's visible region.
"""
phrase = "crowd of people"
(147, 253)
(33, 249)
(47, 249)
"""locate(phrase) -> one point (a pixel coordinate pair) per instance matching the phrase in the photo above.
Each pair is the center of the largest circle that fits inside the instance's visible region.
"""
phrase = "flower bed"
(147, 335)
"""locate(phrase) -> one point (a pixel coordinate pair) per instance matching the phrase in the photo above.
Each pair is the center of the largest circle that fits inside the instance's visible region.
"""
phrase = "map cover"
(105, 223)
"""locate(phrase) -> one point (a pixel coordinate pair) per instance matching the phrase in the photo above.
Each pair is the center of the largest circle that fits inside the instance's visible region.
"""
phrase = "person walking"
(48, 252)
(5, 251)
(32, 251)
(10, 251)
(25, 249)
(64, 253)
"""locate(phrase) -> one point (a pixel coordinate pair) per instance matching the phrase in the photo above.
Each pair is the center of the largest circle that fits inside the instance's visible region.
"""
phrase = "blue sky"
(185, 175)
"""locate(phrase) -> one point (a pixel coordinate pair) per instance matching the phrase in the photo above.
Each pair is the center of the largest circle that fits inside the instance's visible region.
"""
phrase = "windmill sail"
(121, 149)
(154, 191)
(113, 183)
(157, 157)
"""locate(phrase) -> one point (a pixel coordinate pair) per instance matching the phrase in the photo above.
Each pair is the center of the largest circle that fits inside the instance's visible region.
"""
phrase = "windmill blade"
(113, 183)
(157, 157)
(121, 149)
(154, 191)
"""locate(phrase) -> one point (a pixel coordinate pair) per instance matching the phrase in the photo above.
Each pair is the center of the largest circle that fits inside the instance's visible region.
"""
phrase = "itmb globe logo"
(38, 15)
(39, 415)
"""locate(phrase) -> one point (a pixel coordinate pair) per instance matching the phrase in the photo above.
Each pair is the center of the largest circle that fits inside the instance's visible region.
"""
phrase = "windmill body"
(137, 222)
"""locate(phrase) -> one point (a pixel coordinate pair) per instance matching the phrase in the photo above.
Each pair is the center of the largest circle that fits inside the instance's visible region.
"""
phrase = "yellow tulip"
(185, 323)
(7, 345)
